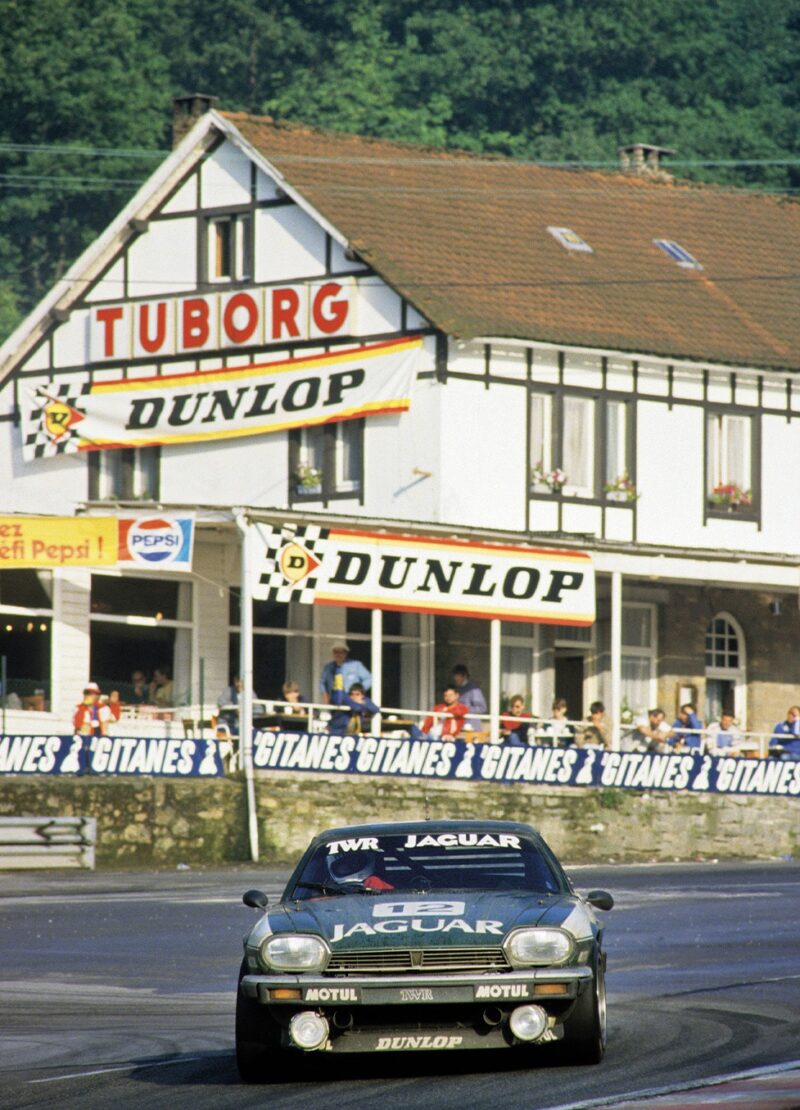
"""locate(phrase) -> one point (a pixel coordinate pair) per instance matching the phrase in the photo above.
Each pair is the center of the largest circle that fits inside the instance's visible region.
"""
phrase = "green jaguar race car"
(420, 936)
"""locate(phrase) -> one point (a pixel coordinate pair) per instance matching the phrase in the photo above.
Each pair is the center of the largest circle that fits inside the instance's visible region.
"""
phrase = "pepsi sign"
(156, 542)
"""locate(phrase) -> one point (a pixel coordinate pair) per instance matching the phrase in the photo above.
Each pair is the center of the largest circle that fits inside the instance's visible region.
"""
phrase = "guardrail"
(33, 843)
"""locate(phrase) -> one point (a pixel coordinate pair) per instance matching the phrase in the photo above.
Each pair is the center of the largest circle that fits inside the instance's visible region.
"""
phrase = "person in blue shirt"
(471, 695)
(686, 729)
(341, 673)
(352, 719)
(785, 740)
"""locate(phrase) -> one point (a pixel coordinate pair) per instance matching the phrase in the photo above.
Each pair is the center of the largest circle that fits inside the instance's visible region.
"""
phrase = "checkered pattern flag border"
(38, 444)
(272, 585)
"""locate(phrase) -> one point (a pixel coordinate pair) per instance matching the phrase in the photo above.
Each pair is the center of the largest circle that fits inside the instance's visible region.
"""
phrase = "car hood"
(455, 919)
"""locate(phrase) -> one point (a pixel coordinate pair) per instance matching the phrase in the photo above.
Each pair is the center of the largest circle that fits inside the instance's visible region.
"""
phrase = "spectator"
(597, 732)
(469, 694)
(292, 699)
(139, 689)
(87, 719)
(590, 737)
(785, 740)
(355, 719)
(722, 737)
(686, 729)
(515, 726)
(232, 694)
(110, 708)
(558, 731)
(291, 693)
(341, 673)
(650, 733)
(161, 688)
(445, 720)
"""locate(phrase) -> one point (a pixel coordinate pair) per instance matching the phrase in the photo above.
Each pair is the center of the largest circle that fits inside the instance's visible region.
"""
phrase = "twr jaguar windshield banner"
(426, 574)
(75, 413)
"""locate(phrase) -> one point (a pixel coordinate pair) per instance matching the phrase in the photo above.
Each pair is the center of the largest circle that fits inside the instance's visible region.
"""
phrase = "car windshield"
(426, 861)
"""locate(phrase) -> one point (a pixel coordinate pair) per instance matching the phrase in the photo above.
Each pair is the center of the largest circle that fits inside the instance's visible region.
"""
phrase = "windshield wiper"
(356, 886)
(324, 888)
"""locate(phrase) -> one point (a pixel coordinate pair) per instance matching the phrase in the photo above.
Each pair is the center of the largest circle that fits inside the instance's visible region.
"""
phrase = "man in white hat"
(341, 672)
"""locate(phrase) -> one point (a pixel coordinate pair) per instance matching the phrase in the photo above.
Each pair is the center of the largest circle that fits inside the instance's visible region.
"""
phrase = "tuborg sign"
(369, 570)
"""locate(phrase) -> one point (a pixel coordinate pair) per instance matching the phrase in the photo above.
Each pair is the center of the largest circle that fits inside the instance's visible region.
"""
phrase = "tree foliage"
(545, 79)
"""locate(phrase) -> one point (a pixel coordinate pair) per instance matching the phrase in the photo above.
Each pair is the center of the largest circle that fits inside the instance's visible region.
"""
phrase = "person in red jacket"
(446, 719)
(86, 720)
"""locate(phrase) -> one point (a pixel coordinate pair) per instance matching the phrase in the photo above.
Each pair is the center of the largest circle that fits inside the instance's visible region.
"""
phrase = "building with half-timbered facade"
(353, 334)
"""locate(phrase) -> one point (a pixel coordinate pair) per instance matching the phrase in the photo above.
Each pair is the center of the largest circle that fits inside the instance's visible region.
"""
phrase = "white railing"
(202, 721)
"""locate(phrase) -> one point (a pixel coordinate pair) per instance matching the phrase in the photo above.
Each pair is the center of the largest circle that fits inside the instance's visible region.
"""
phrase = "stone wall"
(155, 822)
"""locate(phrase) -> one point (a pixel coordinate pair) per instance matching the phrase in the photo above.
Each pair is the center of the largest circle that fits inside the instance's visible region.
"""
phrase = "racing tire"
(259, 1056)
(585, 1030)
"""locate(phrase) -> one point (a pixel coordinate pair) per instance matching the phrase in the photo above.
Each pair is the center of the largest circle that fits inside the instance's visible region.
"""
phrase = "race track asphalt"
(117, 990)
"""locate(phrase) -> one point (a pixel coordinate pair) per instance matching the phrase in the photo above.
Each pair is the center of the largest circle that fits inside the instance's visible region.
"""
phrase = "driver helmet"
(352, 867)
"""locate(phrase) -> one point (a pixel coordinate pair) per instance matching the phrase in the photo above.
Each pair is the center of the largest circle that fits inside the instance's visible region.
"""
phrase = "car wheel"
(259, 1056)
(585, 1030)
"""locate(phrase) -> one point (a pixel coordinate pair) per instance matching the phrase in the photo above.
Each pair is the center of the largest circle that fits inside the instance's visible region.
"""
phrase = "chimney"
(644, 160)
(186, 111)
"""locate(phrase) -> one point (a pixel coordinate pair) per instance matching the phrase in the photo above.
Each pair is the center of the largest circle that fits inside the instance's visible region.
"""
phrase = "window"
(141, 624)
(26, 610)
(518, 663)
(638, 679)
(327, 461)
(726, 672)
(230, 247)
(581, 446)
(730, 458)
(577, 445)
(568, 238)
(678, 254)
(124, 474)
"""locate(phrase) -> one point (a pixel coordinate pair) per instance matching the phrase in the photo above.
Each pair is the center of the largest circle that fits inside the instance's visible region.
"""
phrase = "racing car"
(422, 936)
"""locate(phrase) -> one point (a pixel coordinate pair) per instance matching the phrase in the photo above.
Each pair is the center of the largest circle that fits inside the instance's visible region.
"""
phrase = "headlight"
(293, 952)
(532, 947)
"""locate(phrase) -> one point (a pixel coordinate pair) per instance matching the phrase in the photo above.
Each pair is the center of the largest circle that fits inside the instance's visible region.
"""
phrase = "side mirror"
(255, 899)
(600, 899)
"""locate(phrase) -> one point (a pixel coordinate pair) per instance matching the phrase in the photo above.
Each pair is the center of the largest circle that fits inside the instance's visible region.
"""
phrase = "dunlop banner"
(336, 566)
(75, 413)
(57, 541)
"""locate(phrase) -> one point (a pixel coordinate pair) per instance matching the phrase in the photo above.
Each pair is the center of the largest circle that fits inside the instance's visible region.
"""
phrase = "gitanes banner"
(425, 574)
(437, 760)
(457, 760)
(109, 755)
(76, 413)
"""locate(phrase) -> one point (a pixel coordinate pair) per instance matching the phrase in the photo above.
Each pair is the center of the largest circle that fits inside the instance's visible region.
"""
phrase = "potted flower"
(621, 489)
(730, 496)
(552, 480)
(309, 478)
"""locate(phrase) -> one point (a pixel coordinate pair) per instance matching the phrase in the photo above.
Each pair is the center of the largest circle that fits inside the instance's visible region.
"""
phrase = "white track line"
(676, 1088)
(121, 1067)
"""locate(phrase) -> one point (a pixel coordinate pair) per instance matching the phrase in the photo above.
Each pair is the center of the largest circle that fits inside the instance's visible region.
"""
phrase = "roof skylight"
(678, 254)
(567, 238)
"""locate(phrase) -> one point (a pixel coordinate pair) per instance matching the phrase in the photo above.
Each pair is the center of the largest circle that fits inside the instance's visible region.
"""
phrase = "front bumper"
(513, 987)
(390, 1013)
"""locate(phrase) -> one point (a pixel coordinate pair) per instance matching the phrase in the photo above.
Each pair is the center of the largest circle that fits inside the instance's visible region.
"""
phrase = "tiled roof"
(464, 239)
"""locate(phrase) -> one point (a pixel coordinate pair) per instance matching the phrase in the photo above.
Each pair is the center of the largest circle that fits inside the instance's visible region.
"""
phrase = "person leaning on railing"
(785, 740)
